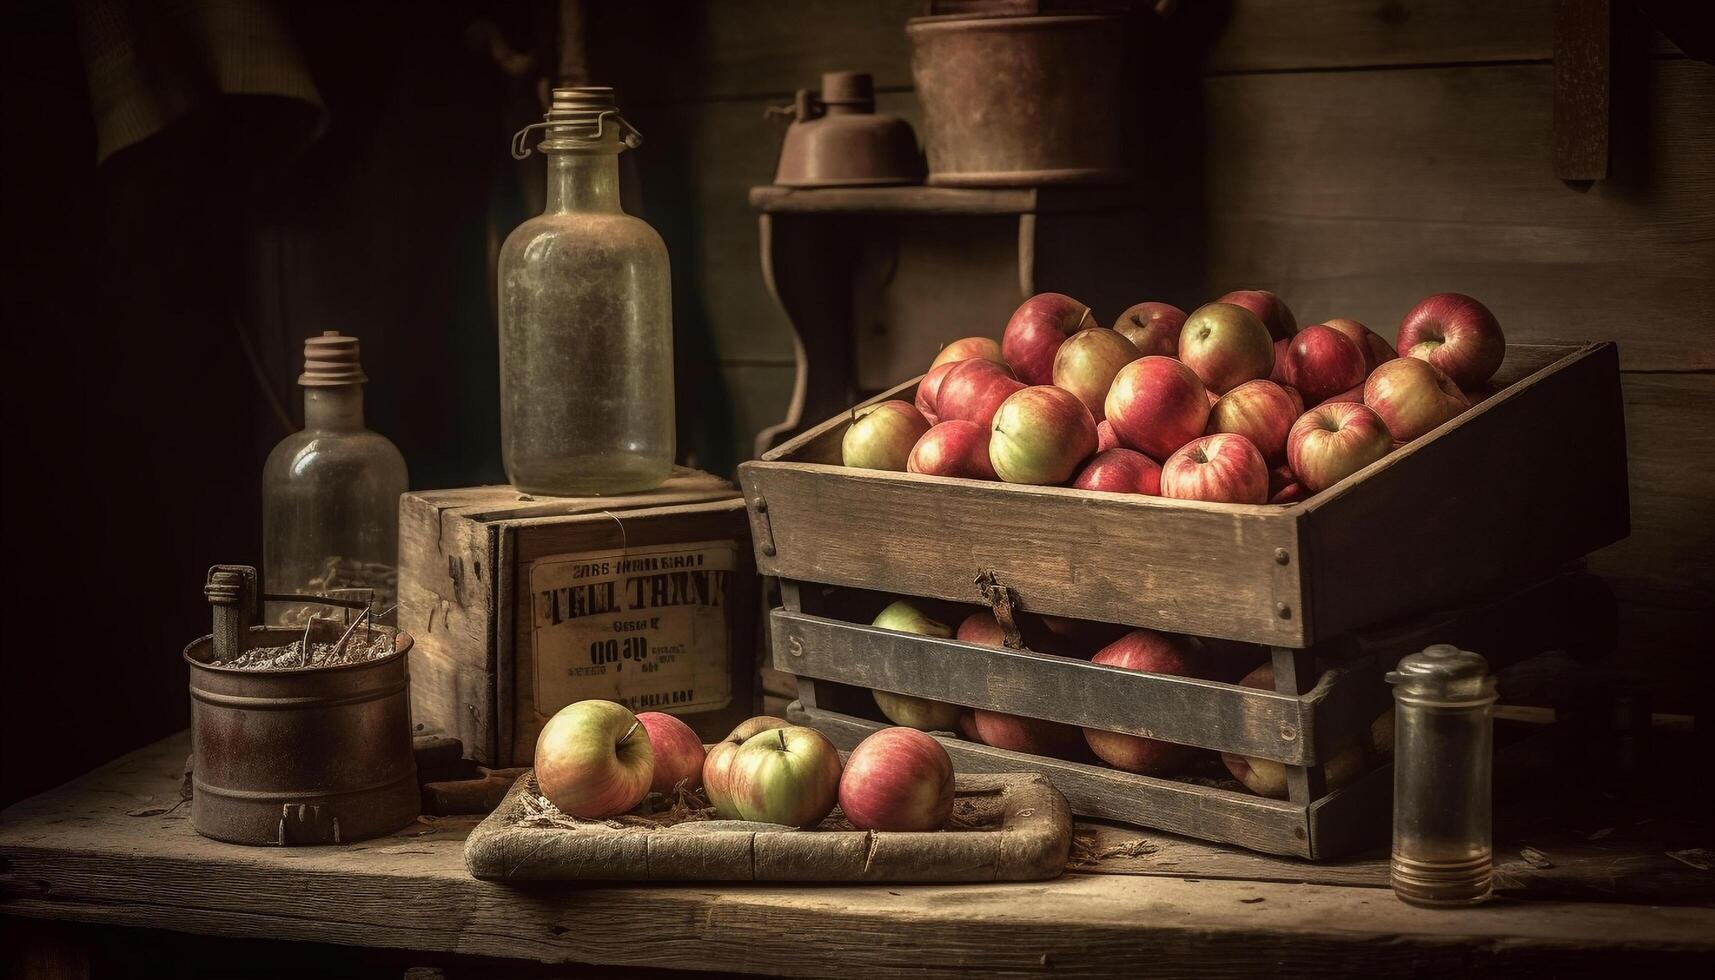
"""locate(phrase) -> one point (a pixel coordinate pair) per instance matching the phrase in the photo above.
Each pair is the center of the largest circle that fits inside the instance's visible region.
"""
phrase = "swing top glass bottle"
(586, 327)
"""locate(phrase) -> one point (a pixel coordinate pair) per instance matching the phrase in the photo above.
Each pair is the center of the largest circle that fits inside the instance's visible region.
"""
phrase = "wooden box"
(1532, 477)
(521, 605)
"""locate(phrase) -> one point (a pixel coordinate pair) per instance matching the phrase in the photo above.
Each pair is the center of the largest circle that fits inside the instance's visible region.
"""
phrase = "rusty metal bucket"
(313, 755)
(1021, 101)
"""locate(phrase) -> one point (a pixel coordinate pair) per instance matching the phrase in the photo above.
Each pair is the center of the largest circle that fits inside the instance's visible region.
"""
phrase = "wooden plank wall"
(1354, 156)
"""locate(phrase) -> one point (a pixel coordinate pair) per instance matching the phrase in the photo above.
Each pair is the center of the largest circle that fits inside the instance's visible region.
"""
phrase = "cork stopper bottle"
(330, 493)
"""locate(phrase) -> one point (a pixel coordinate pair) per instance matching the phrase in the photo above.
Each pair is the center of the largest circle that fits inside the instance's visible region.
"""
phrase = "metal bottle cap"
(578, 117)
(1443, 674)
(331, 360)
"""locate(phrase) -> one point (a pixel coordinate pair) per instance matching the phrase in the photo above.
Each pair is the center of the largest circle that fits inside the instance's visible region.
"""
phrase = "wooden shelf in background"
(919, 199)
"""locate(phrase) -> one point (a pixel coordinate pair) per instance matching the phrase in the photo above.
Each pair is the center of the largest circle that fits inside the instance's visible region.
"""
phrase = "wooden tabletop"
(115, 847)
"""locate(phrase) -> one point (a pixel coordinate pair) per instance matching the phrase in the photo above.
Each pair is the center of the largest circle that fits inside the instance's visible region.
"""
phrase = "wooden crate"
(495, 586)
(1532, 477)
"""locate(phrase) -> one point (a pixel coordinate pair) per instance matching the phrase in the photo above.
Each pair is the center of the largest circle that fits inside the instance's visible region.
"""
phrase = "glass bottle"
(1443, 843)
(586, 324)
(330, 493)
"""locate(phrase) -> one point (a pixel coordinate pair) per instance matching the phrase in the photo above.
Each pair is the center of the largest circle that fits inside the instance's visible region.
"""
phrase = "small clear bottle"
(586, 321)
(1443, 830)
(330, 493)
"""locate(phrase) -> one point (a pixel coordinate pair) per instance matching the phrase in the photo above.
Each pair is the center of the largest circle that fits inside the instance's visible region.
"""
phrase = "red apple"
(1033, 735)
(972, 390)
(1278, 373)
(1120, 471)
(786, 775)
(882, 436)
(1456, 334)
(953, 448)
(1226, 346)
(1157, 405)
(929, 391)
(1265, 777)
(1224, 468)
(1331, 442)
(593, 760)
(1283, 486)
(1322, 361)
(1040, 435)
(1105, 438)
(679, 753)
(1412, 397)
(1376, 350)
(1150, 652)
(1087, 362)
(1262, 412)
(1355, 395)
(897, 779)
(981, 628)
(717, 766)
(966, 348)
(1037, 329)
(1269, 308)
(1153, 328)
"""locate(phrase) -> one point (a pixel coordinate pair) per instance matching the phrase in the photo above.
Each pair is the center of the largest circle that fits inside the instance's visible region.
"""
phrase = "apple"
(1269, 308)
(1283, 486)
(1157, 405)
(1150, 652)
(903, 709)
(953, 448)
(1153, 328)
(1105, 438)
(897, 779)
(1331, 442)
(882, 436)
(915, 712)
(786, 775)
(593, 760)
(1224, 468)
(966, 348)
(1226, 345)
(1017, 733)
(1035, 332)
(929, 391)
(1040, 435)
(1412, 396)
(1262, 412)
(1456, 334)
(679, 753)
(1322, 361)
(1376, 350)
(717, 766)
(972, 390)
(1087, 362)
(1278, 373)
(1120, 471)
(1265, 777)
(1354, 395)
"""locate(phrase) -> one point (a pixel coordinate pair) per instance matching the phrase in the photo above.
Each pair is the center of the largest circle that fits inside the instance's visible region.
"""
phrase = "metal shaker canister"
(1443, 846)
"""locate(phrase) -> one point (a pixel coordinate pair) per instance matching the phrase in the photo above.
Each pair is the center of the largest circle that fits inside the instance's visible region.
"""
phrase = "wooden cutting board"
(1005, 827)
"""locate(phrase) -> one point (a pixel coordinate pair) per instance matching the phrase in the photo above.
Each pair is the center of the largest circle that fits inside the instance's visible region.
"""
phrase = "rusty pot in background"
(314, 755)
(1020, 101)
(838, 140)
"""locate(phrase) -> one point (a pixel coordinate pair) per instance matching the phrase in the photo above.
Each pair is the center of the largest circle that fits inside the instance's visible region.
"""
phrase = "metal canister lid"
(331, 360)
(1443, 674)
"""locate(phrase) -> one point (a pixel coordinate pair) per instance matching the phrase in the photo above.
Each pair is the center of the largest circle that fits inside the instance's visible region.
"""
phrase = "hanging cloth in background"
(151, 63)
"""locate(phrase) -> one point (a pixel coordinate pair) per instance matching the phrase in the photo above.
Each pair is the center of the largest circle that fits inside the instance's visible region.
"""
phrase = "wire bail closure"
(628, 134)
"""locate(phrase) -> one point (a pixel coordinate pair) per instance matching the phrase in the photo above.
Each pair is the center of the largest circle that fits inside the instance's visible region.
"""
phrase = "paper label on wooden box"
(647, 627)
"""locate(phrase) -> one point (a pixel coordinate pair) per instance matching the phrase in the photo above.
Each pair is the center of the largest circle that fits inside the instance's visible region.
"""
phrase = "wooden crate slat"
(1469, 508)
(1208, 714)
(1353, 818)
(1261, 824)
(1184, 566)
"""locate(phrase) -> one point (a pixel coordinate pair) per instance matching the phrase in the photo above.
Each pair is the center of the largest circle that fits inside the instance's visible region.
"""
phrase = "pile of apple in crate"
(1153, 561)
